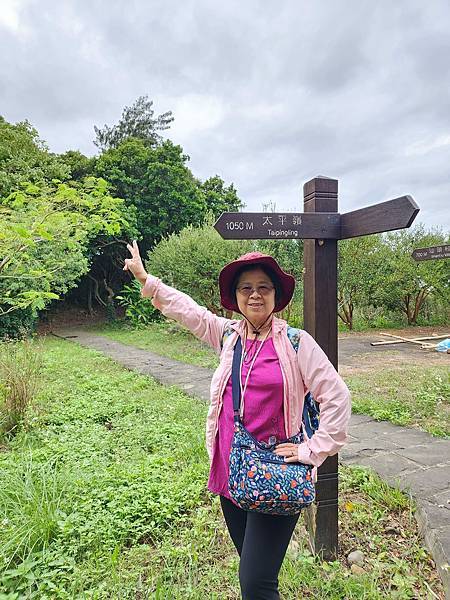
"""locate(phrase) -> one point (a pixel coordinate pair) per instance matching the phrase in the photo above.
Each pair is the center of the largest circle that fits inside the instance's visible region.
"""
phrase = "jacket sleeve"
(177, 305)
(333, 396)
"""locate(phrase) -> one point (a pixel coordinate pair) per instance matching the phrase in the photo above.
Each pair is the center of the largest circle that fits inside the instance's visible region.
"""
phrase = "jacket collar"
(277, 325)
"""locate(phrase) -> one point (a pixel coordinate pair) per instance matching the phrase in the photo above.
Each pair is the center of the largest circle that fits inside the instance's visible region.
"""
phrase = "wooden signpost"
(321, 226)
(431, 253)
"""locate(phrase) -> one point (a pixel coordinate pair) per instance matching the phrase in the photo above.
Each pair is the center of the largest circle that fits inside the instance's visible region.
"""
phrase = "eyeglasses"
(262, 290)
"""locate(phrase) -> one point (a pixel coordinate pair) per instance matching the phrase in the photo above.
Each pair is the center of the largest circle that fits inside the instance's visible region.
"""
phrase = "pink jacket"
(307, 370)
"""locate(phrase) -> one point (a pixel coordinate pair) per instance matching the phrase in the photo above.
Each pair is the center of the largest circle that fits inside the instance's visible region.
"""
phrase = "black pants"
(261, 541)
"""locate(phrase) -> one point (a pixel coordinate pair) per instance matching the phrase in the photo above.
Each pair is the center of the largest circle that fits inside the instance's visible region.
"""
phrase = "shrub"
(138, 310)
(18, 324)
(192, 259)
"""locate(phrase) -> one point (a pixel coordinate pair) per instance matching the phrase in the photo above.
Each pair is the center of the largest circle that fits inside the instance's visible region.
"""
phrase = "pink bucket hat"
(228, 273)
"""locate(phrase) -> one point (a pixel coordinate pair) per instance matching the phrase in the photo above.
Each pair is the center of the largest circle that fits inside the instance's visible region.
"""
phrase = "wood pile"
(424, 342)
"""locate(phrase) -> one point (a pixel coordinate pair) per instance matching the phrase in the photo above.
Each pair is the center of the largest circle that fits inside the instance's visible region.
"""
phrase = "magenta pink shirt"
(263, 411)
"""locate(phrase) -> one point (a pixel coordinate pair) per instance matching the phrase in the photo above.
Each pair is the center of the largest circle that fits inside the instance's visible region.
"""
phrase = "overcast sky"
(265, 94)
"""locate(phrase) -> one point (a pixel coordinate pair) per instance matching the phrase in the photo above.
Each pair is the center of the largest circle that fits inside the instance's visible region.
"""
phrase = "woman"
(274, 381)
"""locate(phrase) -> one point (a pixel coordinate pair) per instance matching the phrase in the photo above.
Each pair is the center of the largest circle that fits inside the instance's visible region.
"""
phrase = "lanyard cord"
(256, 331)
(244, 388)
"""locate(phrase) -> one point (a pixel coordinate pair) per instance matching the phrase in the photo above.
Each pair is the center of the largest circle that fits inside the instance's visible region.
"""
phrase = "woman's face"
(259, 304)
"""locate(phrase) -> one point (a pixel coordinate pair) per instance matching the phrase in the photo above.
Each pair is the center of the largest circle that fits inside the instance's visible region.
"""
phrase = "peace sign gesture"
(134, 264)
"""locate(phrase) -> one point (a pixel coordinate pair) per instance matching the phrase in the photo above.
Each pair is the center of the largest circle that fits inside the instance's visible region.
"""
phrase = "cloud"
(266, 95)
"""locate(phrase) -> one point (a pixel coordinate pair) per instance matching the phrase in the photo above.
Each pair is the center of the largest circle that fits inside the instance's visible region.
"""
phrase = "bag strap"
(236, 388)
(226, 334)
(311, 409)
(310, 415)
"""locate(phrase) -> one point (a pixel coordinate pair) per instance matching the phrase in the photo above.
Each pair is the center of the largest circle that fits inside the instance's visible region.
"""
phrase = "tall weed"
(30, 511)
(20, 370)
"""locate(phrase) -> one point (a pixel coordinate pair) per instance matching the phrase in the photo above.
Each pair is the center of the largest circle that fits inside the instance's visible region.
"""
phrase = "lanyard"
(244, 388)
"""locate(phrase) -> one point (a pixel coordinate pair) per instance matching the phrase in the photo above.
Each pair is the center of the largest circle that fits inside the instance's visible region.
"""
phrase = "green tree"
(405, 284)
(137, 121)
(45, 233)
(360, 260)
(157, 183)
(219, 198)
(24, 157)
(80, 166)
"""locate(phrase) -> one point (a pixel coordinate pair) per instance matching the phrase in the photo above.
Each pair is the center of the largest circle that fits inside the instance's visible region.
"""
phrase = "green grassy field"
(103, 496)
(413, 396)
(408, 395)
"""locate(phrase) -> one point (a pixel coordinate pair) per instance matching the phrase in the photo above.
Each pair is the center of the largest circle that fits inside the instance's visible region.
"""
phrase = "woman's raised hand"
(134, 264)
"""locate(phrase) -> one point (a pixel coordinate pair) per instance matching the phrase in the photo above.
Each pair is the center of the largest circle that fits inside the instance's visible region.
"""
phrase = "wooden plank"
(320, 320)
(405, 339)
(279, 226)
(420, 339)
(398, 213)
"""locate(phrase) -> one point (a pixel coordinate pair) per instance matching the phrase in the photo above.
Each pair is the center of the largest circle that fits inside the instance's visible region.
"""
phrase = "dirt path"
(356, 353)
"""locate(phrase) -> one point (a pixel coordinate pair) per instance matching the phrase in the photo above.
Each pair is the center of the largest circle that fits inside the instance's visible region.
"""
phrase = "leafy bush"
(192, 260)
(25, 157)
(138, 310)
(18, 324)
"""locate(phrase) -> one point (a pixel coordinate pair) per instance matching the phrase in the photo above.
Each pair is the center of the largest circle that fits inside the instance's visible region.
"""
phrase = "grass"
(31, 505)
(103, 498)
(411, 396)
(407, 395)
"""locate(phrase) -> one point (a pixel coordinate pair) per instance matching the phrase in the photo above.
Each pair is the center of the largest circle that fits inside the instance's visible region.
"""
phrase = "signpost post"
(321, 226)
(320, 320)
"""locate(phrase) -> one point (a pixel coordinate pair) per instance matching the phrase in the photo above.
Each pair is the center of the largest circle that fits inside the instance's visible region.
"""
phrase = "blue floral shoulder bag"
(260, 480)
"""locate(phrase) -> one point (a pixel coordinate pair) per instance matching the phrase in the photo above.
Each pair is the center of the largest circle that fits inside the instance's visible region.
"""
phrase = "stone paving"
(409, 459)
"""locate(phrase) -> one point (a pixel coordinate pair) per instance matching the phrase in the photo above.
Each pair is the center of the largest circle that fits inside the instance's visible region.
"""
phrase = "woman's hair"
(267, 270)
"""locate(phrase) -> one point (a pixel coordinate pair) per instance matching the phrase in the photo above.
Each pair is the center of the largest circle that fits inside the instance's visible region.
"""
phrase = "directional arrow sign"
(385, 216)
(432, 252)
(281, 226)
